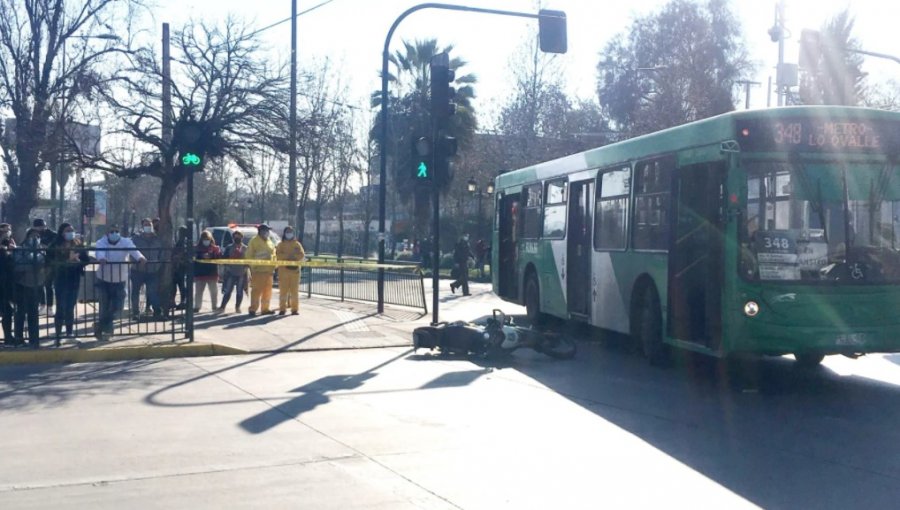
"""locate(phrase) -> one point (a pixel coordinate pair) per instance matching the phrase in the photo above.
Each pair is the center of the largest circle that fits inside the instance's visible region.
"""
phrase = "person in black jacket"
(7, 274)
(47, 237)
(30, 260)
(461, 255)
(67, 259)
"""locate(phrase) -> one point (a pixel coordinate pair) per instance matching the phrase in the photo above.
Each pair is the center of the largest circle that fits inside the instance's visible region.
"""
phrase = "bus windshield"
(821, 221)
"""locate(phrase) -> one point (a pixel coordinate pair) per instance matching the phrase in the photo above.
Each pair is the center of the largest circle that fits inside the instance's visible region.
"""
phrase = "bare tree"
(34, 35)
(220, 81)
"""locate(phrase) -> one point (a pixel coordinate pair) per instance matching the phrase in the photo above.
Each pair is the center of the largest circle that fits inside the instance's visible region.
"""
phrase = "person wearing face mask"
(67, 259)
(114, 253)
(234, 276)
(289, 276)
(206, 275)
(31, 276)
(46, 237)
(261, 277)
(179, 267)
(150, 245)
(7, 274)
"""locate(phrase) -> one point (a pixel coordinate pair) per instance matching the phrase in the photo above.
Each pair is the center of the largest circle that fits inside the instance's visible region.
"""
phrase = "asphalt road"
(387, 428)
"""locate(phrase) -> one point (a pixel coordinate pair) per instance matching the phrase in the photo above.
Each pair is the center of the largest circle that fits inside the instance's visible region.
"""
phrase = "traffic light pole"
(382, 181)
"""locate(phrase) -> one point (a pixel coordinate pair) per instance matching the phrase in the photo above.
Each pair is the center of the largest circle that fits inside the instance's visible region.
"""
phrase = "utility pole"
(293, 206)
(746, 84)
(776, 33)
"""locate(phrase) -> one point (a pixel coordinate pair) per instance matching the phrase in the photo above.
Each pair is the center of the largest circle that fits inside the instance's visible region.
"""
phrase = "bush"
(447, 261)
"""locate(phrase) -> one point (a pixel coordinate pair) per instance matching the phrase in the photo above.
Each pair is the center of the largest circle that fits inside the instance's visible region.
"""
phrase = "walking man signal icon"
(423, 170)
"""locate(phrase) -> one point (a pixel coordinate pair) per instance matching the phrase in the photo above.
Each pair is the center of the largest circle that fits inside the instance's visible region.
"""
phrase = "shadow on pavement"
(778, 435)
(154, 397)
(26, 387)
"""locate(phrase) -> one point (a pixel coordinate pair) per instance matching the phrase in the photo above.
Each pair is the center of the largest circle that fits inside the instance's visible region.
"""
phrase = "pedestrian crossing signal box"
(423, 161)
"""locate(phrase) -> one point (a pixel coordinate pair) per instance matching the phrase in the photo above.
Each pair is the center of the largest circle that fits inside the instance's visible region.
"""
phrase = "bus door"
(696, 255)
(578, 248)
(510, 206)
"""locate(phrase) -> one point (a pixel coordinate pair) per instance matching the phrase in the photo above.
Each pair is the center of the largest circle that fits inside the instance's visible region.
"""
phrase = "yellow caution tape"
(309, 263)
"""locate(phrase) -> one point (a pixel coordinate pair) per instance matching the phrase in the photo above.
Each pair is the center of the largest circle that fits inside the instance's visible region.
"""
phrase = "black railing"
(401, 287)
(51, 295)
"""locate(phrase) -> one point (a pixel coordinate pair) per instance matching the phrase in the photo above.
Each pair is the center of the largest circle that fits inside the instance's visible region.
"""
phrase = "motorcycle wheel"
(558, 347)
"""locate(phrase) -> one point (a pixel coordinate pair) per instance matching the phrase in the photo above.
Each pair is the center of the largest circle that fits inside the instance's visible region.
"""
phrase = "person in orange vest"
(261, 248)
(289, 276)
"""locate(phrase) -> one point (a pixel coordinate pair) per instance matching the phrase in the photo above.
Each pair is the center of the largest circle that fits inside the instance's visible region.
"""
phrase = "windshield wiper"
(847, 241)
(815, 202)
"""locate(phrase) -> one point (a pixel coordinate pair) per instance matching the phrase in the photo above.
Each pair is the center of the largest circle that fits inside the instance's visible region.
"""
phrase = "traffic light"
(423, 161)
(444, 150)
(442, 94)
(88, 203)
(190, 137)
(552, 31)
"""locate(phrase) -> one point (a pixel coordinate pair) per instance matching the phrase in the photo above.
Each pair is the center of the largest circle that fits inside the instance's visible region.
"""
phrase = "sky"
(351, 33)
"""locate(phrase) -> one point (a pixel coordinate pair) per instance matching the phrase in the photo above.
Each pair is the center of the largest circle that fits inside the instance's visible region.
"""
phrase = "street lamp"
(472, 186)
(243, 205)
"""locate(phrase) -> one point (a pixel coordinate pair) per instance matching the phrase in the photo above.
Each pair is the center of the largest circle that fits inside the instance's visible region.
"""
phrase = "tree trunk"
(22, 200)
(167, 192)
(365, 243)
(340, 246)
(300, 228)
(318, 225)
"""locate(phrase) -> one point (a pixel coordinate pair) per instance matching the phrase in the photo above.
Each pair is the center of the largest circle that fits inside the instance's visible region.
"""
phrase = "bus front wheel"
(533, 301)
(649, 330)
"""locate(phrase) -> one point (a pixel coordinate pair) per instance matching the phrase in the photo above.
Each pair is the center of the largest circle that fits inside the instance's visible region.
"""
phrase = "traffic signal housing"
(88, 203)
(444, 151)
(442, 94)
(191, 139)
(423, 160)
(552, 31)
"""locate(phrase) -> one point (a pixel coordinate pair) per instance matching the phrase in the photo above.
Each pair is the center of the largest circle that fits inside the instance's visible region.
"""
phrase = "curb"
(191, 350)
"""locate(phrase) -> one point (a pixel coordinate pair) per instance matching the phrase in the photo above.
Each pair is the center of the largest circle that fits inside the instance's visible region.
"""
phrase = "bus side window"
(555, 209)
(531, 221)
(651, 204)
(611, 210)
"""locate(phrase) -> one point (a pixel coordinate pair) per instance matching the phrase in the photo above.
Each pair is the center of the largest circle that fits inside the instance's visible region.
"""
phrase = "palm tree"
(410, 116)
(836, 77)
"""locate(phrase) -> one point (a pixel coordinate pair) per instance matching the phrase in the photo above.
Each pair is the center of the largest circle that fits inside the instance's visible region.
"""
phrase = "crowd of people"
(47, 267)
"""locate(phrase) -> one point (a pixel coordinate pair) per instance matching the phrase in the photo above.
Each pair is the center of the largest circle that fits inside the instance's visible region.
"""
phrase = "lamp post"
(243, 205)
(472, 186)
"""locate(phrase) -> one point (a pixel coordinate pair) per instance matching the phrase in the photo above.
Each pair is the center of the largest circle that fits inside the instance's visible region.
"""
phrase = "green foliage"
(673, 67)
(836, 78)
(447, 261)
(410, 116)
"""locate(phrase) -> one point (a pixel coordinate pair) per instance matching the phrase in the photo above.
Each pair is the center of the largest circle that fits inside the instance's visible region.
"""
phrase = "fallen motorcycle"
(497, 336)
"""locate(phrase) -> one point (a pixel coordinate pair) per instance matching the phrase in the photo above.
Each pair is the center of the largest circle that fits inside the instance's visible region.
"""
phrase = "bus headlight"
(751, 308)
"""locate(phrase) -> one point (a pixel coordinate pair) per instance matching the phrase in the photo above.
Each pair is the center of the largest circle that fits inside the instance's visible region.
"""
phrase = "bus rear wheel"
(533, 301)
(808, 359)
(649, 330)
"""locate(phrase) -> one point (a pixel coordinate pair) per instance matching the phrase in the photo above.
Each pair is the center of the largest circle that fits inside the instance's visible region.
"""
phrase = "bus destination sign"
(819, 135)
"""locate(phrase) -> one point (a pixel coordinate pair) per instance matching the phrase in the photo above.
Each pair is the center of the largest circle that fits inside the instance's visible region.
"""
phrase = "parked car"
(222, 235)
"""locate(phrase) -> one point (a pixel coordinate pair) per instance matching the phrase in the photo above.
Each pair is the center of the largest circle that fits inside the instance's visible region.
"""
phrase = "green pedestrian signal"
(422, 168)
(190, 159)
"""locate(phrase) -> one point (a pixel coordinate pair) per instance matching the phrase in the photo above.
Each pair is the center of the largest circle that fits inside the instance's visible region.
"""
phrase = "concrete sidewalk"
(322, 324)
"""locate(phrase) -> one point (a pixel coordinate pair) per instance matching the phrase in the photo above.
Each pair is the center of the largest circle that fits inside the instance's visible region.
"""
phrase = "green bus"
(762, 232)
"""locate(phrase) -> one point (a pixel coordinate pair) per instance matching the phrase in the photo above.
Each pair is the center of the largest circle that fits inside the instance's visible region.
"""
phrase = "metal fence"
(51, 295)
(359, 281)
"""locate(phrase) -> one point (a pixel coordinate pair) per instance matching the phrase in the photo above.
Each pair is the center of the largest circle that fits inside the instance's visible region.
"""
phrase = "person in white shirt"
(114, 253)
